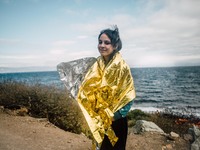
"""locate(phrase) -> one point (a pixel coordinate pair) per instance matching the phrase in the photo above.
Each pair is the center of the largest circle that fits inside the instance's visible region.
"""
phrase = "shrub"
(135, 115)
(43, 101)
(168, 123)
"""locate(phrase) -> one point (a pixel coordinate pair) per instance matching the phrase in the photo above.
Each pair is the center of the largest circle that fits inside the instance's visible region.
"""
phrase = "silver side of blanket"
(72, 73)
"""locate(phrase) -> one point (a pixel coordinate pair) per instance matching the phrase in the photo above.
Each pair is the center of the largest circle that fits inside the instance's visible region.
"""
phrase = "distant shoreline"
(47, 69)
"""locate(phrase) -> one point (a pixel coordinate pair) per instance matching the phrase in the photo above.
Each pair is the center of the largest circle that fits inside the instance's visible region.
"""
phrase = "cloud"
(63, 42)
(18, 57)
(168, 30)
(167, 34)
(81, 54)
(57, 51)
(185, 8)
(82, 37)
(153, 33)
(21, 60)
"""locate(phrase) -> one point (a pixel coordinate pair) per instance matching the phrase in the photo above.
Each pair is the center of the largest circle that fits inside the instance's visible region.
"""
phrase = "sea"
(174, 90)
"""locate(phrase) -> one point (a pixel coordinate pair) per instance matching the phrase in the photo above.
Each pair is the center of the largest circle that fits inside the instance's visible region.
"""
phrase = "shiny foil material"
(72, 73)
(104, 90)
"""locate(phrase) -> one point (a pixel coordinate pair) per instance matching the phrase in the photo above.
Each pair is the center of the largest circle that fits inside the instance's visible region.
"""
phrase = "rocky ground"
(27, 133)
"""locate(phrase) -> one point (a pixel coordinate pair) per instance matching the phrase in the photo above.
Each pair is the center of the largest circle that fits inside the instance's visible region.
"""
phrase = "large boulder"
(146, 126)
(196, 144)
(195, 132)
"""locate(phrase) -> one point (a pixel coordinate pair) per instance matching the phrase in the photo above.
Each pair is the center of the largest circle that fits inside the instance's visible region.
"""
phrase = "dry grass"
(43, 101)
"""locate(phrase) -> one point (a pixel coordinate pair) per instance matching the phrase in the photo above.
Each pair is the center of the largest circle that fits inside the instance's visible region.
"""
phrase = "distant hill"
(26, 69)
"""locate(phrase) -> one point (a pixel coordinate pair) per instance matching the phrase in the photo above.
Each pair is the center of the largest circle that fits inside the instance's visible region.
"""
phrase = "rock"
(23, 111)
(72, 73)
(173, 136)
(195, 132)
(146, 126)
(1, 108)
(164, 147)
(169, 146)
(188, 137)
(196, 144)
(42, 120)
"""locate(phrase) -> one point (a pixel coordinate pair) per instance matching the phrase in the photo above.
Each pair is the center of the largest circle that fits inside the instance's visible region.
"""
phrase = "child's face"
(105, 47)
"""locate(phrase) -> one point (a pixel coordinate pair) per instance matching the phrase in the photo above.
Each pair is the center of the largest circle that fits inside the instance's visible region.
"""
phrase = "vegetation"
(43, 101)
(63, 111)
(167, 122)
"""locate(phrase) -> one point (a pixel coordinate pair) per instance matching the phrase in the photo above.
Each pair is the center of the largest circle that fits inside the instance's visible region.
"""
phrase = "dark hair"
(114, 37)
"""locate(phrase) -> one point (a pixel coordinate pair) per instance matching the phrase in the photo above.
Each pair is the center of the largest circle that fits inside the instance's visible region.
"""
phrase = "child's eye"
(100, 42)
(105, 42)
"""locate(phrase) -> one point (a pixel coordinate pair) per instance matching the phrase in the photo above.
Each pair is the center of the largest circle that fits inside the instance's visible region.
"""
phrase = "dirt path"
(27, 133)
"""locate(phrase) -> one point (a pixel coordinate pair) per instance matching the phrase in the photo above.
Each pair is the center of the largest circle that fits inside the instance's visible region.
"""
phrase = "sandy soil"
(27, 133)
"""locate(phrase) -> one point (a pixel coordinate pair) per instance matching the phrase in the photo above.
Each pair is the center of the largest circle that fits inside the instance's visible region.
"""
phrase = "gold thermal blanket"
(104, 90)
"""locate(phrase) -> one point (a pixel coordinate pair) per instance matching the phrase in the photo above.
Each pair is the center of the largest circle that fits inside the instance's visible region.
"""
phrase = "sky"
(154, 33)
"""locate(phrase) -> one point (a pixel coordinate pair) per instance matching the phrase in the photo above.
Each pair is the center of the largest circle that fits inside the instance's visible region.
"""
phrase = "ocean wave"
(145, 101)
(148, 109)
(183, 111)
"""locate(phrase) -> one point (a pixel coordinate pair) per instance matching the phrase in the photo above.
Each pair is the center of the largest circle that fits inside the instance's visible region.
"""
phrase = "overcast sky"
(154, 33)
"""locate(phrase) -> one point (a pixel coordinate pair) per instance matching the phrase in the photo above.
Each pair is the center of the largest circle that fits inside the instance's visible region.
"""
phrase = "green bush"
(135, 115)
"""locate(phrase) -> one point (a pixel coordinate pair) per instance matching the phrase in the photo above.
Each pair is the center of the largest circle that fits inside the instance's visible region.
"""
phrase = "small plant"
(135, 115)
